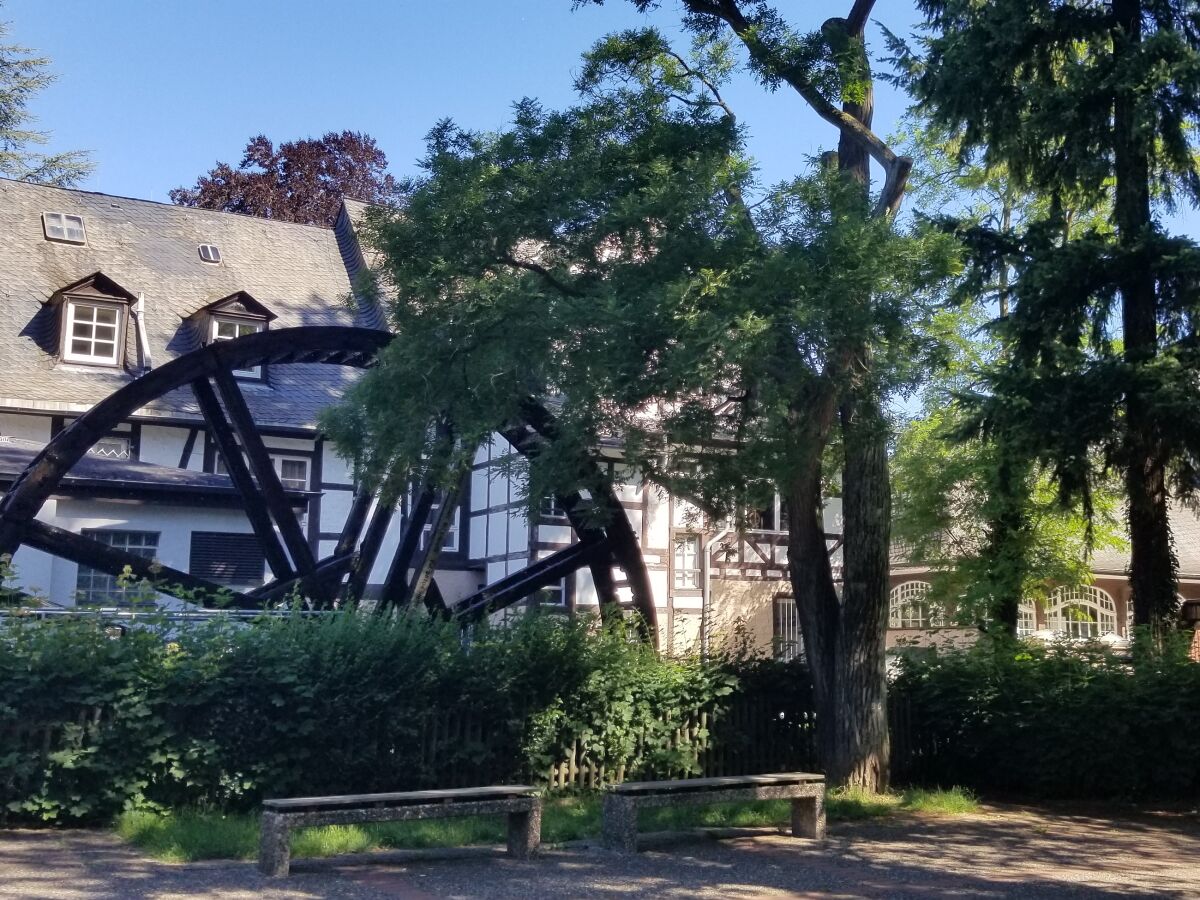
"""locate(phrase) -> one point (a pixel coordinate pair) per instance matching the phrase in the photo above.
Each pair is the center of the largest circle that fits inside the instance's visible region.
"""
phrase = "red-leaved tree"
(300, 181)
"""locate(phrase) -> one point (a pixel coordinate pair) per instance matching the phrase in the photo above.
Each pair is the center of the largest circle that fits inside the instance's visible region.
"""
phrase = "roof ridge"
(176, 206)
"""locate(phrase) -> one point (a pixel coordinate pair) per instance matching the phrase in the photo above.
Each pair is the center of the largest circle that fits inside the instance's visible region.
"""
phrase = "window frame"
(1098, 604)
(216, 320)
(902, 602)
(70, 306)
(99, 534)
(679, 571)
(210, 262)
(450, 544)
(64, 216)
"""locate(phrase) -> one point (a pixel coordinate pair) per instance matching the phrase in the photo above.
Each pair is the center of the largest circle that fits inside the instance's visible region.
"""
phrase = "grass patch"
(953, 802)
(188, 835)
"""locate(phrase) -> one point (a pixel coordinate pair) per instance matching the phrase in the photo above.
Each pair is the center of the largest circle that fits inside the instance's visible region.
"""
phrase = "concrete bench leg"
(618, 828)
(274, 845)
(525, 831)
(808, 817)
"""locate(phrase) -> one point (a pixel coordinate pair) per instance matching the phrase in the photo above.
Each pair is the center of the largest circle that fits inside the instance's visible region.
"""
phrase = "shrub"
(221, 714)
(1050, 721)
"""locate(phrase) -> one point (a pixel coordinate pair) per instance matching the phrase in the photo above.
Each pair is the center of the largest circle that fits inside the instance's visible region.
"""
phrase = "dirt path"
(998, 853)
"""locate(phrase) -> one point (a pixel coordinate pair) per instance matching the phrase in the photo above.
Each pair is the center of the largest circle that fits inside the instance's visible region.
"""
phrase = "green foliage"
(1057, 721)
(221, 714)
(22, 76)
(1094, 107)
(951, 512)
(603, 256)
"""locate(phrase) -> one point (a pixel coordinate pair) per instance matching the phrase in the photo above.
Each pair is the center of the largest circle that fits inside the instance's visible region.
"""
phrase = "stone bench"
(520, 802)
(621, 802)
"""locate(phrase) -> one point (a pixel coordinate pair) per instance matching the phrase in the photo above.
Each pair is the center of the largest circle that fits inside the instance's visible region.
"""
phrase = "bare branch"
(549, 278)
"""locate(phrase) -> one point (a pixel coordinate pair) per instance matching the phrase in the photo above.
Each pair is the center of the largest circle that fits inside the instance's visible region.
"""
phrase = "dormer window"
(230, 318)
(93, 316)
(210, 254)
(226, 329)
(64, 228)
(93, 330)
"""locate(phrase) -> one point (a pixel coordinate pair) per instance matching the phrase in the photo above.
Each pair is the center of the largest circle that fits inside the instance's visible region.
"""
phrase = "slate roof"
(125, 477)
(148, 248)
(1185, 529)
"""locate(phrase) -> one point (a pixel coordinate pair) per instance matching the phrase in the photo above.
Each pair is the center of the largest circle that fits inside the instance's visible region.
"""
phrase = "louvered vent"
(227, 558)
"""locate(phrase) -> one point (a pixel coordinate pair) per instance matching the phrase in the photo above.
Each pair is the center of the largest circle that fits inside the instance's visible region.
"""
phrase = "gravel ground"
(1009, 852)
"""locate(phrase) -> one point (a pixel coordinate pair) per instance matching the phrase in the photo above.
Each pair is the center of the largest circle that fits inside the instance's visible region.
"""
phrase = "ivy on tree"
(607, 257)
(1097, 101)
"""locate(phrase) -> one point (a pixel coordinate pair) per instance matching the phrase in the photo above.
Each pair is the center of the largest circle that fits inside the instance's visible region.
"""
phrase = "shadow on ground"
(1002, 852)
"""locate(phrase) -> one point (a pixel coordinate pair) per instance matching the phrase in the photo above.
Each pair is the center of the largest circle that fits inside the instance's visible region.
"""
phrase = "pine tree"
(22, 75)
(1095, 102)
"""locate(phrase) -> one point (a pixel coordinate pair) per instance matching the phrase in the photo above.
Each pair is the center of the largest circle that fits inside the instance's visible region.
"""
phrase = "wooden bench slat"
(295, 804)
(727, 781)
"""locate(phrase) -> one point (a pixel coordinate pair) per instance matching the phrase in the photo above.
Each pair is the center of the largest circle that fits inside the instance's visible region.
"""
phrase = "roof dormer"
(93, 320)
(232, 317)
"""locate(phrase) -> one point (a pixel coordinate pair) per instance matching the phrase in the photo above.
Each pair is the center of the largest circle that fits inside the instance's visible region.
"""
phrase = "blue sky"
(158, 90)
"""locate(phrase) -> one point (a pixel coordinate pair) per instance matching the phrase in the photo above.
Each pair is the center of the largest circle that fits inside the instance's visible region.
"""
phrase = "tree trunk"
(1006, 554)
(861, 752)
(1152, 567)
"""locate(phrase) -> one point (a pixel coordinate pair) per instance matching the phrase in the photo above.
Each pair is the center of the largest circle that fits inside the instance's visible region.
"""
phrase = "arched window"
(908, 607)
(1082, 612)
(1026, 618)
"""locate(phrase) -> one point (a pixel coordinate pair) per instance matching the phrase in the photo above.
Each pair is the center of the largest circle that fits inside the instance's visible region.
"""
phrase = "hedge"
(1056, 721)
(93, 721)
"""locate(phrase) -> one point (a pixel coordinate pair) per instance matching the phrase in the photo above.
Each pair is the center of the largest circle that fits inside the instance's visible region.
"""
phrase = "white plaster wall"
(174, 524)
(29, 428)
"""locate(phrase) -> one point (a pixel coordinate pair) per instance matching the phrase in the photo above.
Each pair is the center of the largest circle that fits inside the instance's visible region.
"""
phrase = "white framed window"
(553, 594)
(451, 543)
(772, 517)
(551, 509)
(909, 607)
(292, 470)
(231, 329)
(93, 333)
(64, 228)
(114, 446)
(686, 561)
(209, 253)
(1026, 619)
(95, 587)
(1082, 612)
(786, 640)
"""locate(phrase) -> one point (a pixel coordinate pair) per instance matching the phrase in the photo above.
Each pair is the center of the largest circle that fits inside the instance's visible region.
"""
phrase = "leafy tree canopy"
(22, 75)
(300, 181)
(603, 256)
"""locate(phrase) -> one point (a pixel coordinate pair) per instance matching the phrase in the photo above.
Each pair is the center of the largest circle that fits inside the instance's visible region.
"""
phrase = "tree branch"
(560, 286)
(896, 167)
(856, 22)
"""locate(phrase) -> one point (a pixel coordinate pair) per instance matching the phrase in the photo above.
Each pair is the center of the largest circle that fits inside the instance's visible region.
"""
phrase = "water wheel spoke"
(86, 551)
(235, 464)
(270, 487)
(395, 586)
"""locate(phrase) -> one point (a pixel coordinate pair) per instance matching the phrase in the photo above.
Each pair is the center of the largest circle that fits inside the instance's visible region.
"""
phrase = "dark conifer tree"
(1093, 104)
